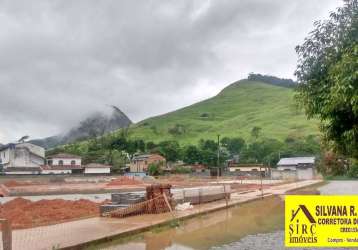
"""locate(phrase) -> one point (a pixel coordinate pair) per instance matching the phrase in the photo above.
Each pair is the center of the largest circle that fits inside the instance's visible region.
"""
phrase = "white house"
(63, 164)
(304, 167)
(64, 160)
(96, 168)
(21, 158)
(55, 170)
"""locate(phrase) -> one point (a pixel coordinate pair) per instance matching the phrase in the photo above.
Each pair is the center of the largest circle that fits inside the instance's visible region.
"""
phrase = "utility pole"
(262, 189)
(218, 156)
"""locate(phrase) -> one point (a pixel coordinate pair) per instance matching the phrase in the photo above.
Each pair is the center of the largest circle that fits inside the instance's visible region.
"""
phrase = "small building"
(64, 163)
(21, 158)
(140, 163)
(64, 159)
(248, 169)
(56, 170)
(303, 168)
(198, 168)
(96, 168)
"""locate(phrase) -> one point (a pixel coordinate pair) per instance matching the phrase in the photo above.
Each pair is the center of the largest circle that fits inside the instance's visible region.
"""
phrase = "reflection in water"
(267, 241)
(213, 229)
(255, 225)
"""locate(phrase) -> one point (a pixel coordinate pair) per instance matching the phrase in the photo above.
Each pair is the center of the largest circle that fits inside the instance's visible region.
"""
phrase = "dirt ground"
(24, 213)
(105, 184)
(180, 181)
(57, 185)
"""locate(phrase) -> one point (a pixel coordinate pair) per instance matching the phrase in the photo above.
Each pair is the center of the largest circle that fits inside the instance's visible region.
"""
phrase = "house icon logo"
(302, 226)
(307, 213)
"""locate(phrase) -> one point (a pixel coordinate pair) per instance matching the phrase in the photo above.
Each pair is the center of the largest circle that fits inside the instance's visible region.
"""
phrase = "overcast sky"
(61, 60)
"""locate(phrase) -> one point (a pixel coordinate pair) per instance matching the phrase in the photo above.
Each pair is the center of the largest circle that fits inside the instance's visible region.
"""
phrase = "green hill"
(233, 112)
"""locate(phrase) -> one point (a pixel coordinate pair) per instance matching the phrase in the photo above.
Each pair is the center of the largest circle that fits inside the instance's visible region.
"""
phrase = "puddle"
(213, 229)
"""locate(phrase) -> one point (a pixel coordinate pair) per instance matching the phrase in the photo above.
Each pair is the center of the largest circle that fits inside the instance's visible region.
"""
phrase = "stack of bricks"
(157, 194)
(158, 199)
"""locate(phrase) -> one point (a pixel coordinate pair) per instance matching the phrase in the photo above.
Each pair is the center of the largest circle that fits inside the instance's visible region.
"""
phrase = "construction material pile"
(200, 195)
(124, 180)
(122, 200)
(24, 213)
(158, 199)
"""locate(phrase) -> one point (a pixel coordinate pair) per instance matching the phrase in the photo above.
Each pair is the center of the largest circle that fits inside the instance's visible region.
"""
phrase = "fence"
(59, 235)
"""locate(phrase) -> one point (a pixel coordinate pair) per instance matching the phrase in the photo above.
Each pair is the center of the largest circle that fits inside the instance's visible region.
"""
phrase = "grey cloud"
(61, 60)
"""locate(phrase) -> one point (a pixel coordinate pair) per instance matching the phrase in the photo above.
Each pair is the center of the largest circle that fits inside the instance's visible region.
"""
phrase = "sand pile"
(24, 213)
(124, 180)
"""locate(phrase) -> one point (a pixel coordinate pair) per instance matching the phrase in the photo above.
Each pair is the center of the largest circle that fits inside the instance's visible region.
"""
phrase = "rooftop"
(145, 156)
(296, 160)
(64, 156)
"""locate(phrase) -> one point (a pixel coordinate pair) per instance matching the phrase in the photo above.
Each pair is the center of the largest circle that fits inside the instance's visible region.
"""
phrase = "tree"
(150, 145)
(255, 132)
(155, 169)
(118, 160)
(332, 164)
(170, 150)
(208, 145)
(208, 150)
(263, 151)
(288, 83)
(233, 145)
(192, 155)
(327, 75)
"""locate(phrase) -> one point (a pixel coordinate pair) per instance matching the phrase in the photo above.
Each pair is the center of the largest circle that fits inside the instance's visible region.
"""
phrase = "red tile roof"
(64, 156)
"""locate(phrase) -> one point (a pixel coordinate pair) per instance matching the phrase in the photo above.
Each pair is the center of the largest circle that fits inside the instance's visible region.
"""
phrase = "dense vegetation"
(257, 121)
(117, 149)
(328, 87)
(289, 83)
(328, 78)
(235, 111)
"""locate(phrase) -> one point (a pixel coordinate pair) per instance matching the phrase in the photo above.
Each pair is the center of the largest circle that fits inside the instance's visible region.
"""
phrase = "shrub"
(177, 129)
(353, 171)
(181, 170)
(155, 169)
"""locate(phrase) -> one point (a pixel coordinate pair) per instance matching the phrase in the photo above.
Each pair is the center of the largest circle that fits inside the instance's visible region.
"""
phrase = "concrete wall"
(286, 167)
(40, 151)
(305, 173)
(97, 170)
(62, 171)
(300, 174)
(285, 175)
(22, 172)
(142, 164)
(245, 169)
(23, 155)
(5, 156)
(66, 161)
(24, 158)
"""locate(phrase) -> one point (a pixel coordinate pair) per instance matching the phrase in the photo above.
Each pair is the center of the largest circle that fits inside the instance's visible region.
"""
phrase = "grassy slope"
(233, 112)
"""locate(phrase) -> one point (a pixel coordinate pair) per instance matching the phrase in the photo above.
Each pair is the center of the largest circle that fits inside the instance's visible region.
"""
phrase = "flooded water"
(255, 225)
(214, 229)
